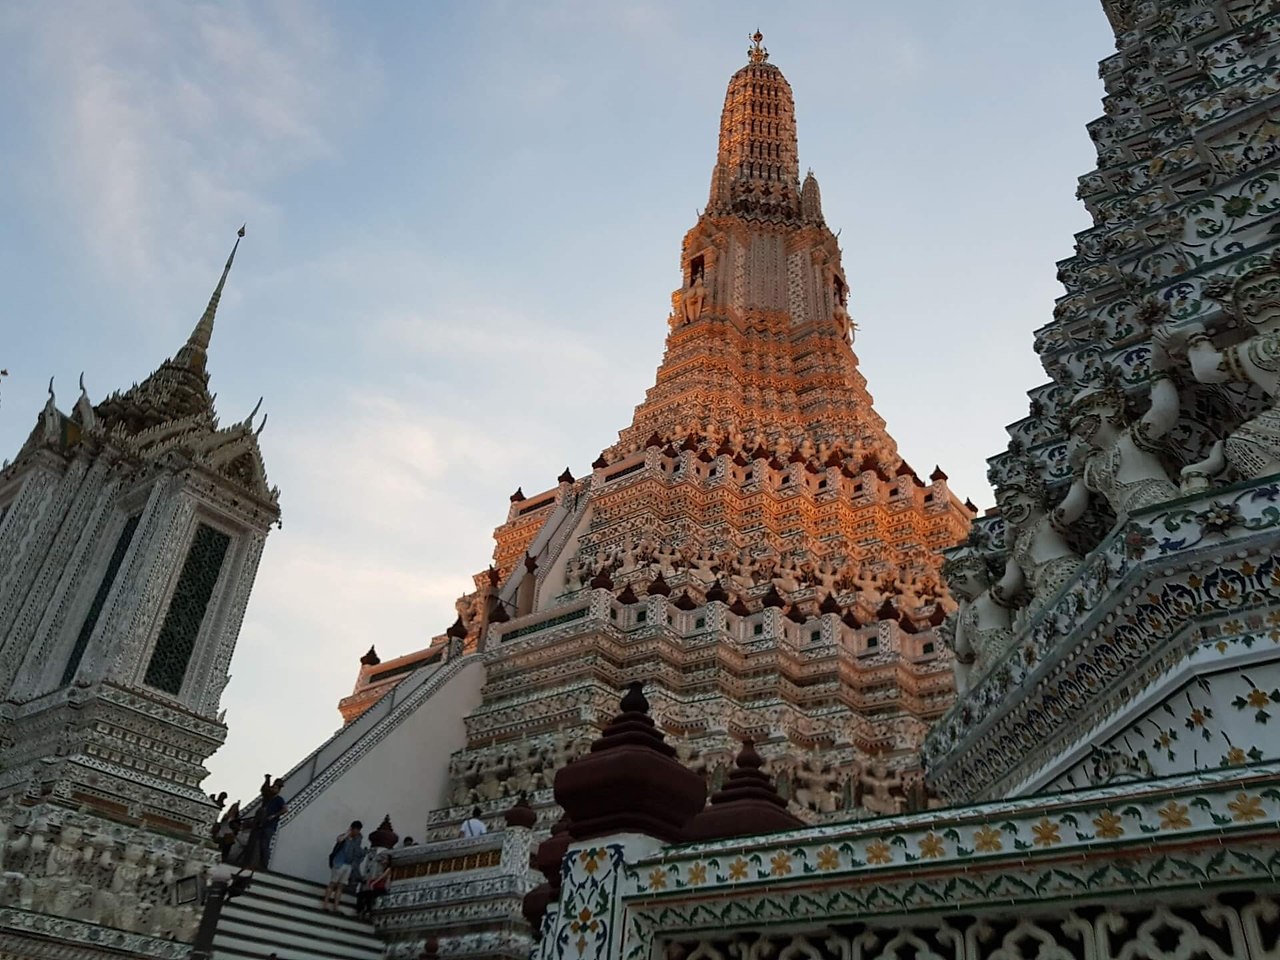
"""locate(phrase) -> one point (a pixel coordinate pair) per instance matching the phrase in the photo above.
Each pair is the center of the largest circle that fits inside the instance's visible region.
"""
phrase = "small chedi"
(130, 535)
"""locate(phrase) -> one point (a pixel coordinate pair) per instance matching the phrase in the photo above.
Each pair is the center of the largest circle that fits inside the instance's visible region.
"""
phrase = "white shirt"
(473, 827)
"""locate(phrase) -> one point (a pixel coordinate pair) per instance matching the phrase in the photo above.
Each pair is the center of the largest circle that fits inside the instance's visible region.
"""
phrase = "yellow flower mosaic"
(878, 852)
(1173, 816)
(1245, 808)
(1046, 833)
(987, 840)
(1108, 825)
(931, 846)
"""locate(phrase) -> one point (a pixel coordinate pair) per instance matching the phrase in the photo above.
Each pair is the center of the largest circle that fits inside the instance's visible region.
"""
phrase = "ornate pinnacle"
(757, 53)
(193, 351)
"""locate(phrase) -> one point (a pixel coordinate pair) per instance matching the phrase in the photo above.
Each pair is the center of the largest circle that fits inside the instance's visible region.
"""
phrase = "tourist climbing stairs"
(282, 915)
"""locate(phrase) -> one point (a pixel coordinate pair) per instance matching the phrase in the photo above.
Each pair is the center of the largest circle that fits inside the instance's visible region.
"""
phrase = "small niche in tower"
(839, 290)
(696, 267)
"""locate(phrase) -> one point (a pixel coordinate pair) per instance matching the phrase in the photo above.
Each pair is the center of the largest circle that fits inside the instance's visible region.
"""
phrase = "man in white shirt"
(473, 826)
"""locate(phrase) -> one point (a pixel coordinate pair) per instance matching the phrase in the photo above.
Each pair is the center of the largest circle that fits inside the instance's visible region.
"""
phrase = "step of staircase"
(282, 915)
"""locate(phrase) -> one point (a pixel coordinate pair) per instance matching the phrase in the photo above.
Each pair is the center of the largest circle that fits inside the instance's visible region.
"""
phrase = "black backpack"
(336, 848)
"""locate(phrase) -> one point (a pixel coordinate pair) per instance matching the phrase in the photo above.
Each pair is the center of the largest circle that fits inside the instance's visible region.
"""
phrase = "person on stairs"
(473, 826)
(348, 850)
(377, 880)
(273, 808)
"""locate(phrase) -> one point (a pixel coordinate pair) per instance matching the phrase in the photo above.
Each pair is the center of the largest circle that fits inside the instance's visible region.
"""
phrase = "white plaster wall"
(406, 775)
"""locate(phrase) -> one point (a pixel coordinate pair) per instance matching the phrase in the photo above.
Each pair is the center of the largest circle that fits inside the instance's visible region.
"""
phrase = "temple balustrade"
(1064, 876)
(470, 886)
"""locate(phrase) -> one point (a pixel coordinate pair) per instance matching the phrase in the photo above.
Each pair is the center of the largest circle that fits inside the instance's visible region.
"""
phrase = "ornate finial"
(757, 53)
(193, 350)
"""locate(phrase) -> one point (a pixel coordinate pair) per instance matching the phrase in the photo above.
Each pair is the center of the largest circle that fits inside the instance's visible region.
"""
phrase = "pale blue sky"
(464, 228)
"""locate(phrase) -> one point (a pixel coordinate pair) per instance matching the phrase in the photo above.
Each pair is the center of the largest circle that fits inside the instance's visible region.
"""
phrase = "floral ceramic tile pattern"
(1075, 824)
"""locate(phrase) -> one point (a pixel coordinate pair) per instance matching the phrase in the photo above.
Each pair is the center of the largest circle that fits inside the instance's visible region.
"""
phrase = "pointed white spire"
(193, 351)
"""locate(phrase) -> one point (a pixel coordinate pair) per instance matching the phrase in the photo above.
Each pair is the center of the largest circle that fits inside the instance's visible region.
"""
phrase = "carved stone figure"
(983, 629)
(120, 904)
(702, 564)
(666, 558)
(60, 888)
(692, 298)
(1116, 459)
(1253, 448)
(1040, 561)
(626, 556)
(867, 583)
(573, 574)
(787, 578)
(844, 322)
(878, 785)
(828, 574)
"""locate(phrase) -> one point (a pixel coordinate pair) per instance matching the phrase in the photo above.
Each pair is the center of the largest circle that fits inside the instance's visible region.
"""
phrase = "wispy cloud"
(164, 122)
(375, 549)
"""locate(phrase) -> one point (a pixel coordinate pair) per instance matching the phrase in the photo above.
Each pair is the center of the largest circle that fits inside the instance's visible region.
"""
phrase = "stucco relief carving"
(80, 868)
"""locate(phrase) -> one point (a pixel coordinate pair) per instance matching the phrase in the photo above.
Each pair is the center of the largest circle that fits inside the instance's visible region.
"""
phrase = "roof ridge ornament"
(757, 53)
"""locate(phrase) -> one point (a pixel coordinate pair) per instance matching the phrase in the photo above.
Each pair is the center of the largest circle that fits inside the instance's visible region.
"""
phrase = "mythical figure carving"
(1040, 561)
(878, 786)
(983, 628)
(573, 574)
(60, 889)
(814, 786)
(1253, 448)
(1116, 459)
(119, 904)
(692, 298)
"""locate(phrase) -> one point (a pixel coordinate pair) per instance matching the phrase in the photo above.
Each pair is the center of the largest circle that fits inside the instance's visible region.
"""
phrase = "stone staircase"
(281, 914)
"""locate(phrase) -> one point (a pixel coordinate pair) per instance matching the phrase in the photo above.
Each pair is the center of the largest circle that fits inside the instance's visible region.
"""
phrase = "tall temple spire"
(757, 170)
(179, 387)
(193, 353)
